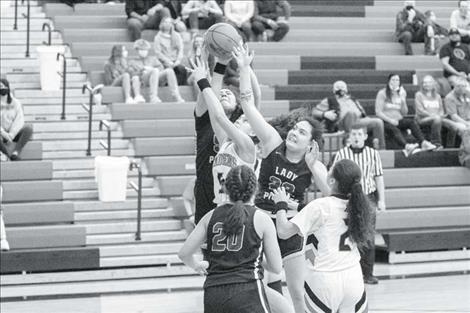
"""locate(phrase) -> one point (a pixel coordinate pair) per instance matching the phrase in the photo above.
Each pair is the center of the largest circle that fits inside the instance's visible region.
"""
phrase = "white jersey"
(226, 159)
(323, 223)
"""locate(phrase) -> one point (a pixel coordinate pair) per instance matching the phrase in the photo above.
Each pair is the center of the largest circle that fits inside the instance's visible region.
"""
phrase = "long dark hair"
(241, 185)
(7, 86)
(348, 177)
(388, 91)
(116, 56)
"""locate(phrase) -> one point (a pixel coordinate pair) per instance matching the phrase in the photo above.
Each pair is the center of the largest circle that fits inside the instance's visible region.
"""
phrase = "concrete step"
(123, 215)
(35, 24)
(88, 184)
(52, 155)
(140, 249)
(21, 40)
(139, 260)
(69, 145)
(81, 173)
(70, 126)
(98, 206)
(30, 62)
(10, 11)
(70, 101)
(71, 109)
(155, 236)
(36, 78)
(58, 165)
(36, 93)
(95, 135)
(37, 85)
(130, 226)
(34, 69)
(71, 117)
(93, 194)
(43, 35)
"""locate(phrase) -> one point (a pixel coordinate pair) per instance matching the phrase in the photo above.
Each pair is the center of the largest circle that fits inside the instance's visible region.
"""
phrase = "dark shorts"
(236, 298)
(204, 198)
(290, 246)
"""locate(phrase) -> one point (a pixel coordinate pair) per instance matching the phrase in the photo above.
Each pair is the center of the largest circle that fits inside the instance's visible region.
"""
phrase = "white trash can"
(50, 66)
(111, 176)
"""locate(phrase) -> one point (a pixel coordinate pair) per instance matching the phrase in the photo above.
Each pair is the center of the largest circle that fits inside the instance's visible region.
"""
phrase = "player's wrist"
(203, 83)
(220, 68)
(280, 206)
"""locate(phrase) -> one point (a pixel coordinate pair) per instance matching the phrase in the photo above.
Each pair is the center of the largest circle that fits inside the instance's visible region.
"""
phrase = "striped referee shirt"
(369, 162)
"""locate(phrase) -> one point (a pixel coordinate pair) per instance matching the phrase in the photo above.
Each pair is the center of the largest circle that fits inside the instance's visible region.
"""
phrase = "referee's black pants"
(368, 254)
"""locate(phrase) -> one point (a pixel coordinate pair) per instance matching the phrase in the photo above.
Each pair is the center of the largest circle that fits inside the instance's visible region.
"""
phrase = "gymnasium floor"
(435, 287)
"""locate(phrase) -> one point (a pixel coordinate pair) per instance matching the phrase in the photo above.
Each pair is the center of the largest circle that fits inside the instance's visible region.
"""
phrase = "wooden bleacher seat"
(164, 146)
(416, 177)
(32, 151)
(26, 170)
(51, 236)
(41, 190)
(157, 128)
(170, 165)
(427, 196)
(38, 213)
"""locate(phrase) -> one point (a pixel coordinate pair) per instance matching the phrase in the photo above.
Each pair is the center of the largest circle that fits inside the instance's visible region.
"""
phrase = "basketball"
(220, 39)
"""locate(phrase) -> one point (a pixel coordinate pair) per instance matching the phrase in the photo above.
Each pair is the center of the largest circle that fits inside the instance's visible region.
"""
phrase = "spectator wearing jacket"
(144, 14)
(410, 26)
(266, 17)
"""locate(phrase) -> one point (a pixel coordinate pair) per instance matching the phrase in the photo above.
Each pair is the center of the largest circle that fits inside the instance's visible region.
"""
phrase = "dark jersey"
(276, 171)
(236, 259)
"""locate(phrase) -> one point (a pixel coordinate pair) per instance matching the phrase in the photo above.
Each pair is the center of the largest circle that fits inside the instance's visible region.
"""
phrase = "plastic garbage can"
(50, 67)
(111, 177)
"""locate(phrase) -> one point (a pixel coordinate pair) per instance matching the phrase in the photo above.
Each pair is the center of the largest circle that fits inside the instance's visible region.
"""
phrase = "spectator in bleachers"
(455, 58)
(391, 107)
(433, 35)
(341, 111)
(168, 45)
(14, 132)
(460, 19)
(175, 7)
(197, 52)
(239, 14)
(464, 153)
(457, 104)
(201, 14)
(410, 26)
(144, 14)
(4, 246)
(267, 17)
(430, 110)
(150, 72)
(116, 73)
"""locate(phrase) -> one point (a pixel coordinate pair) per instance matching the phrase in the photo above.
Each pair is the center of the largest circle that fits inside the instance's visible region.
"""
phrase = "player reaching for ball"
(290, 164)
(336, 226)
(237, 236)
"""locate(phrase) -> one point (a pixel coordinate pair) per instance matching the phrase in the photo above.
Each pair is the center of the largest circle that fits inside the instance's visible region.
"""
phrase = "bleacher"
(59, 216)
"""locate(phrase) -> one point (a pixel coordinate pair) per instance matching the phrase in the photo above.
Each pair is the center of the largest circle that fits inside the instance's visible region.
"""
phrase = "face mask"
(4, 91)
(143, 53)
(165, 27)
(409, 7)
(340, 93)
(454, 43)
(125, 54)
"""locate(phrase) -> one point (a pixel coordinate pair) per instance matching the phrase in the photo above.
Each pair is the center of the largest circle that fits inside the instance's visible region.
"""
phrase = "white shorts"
(341, 291)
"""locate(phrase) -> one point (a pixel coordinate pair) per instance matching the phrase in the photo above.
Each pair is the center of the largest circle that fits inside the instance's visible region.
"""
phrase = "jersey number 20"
(221, 243)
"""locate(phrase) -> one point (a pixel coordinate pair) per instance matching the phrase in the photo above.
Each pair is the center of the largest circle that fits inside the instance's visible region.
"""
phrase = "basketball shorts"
(236, 298)
(204, 198)
(290, 247)
(341, 291)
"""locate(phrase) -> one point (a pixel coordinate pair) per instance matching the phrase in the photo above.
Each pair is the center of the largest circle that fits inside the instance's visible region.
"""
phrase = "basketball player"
(335, 226)
(206, 143)
(237, 235)
(289, 163)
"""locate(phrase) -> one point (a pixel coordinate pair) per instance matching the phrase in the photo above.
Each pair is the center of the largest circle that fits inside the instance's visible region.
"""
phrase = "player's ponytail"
(240, 185)
(348, 175)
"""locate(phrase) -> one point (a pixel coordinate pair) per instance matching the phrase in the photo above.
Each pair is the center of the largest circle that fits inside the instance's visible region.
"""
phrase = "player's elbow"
(283, 234)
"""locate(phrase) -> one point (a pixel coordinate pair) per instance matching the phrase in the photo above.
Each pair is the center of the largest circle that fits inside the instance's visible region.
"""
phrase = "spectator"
(372, 183)
(116, 74)
(430, 110)
(410, 26)
(197, 52)
(460, 19)
(148, 70)
(391, 107)
(14, 132)
(455, 57)
(239, 14)
(144, 14)
(433, 34)
(267, 17)
(341, 111)
(457, 104)
(201, 14)
(175, 7)
(4, 246)
(168, 46)
(464, 152)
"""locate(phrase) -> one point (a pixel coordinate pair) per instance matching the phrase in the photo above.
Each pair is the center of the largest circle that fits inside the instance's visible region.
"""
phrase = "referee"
(372, 183)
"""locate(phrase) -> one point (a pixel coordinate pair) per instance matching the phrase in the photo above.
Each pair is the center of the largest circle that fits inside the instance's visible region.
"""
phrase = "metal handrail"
(49, 35)
(15, 24)
(64, 83)
(89, 109)
(28, 21)
(107, 146)
(136, 165)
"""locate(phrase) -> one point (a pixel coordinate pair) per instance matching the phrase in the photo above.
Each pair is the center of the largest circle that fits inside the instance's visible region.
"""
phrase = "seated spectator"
(457, 105)
(116, 74)
(201, 14)
(455, 58)
(266, 17)
(169, 47)
(197, 52)
(434, 33)
(14, 132)
(391, 107)
(239, 14)
(410, 26)
(341, 111)
(460, 19)
(175, 7)
(144, 14)
(148, 70)
(430, 110)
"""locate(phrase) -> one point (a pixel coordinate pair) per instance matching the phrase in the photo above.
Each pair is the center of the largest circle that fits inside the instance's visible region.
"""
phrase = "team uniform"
(276, 171)
(233, 282)
(206, 149)
(226, 159)
(334, 280)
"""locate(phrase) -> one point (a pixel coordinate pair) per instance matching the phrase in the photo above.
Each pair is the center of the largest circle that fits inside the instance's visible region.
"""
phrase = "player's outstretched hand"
(243, 56)
(312, 153)
(198, 69)
(280, 195)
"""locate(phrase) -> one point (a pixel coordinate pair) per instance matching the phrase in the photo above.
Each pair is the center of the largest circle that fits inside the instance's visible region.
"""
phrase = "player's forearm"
(285, 229)
(320, 173)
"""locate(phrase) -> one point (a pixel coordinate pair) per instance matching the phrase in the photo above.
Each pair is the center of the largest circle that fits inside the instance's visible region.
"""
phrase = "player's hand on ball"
(201, 267)
(312, 153)
(243, 56)
(280, 195)
(198, 69)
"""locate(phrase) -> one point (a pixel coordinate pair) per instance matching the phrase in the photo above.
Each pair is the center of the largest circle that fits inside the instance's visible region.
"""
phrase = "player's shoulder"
(322, 204)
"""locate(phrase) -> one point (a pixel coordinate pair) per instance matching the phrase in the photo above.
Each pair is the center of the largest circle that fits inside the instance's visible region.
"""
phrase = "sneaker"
(426, 146)
(3, 157)
(155, 100)
(4, 246)
(15, 156)
(139, 99)
(410, 148)
(371, 280)
(130, 100)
